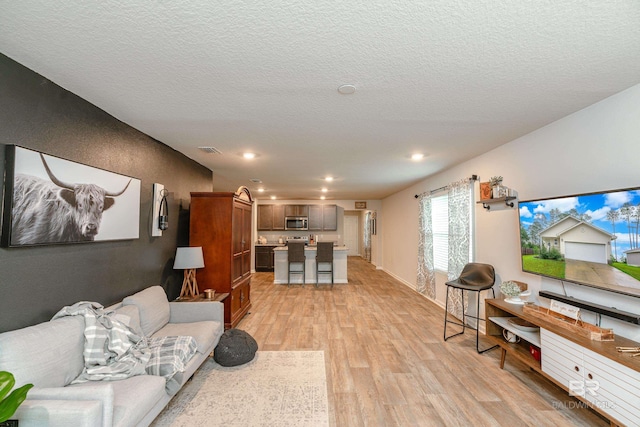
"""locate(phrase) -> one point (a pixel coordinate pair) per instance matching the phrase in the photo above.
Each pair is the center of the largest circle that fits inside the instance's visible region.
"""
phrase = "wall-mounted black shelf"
(596, 308)
(486, 203)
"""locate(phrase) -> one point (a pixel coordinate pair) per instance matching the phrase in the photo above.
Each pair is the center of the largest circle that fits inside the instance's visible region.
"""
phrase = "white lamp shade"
(189, 258)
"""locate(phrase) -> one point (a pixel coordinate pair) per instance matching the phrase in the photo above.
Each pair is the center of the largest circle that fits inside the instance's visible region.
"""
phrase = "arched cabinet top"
(243, 193)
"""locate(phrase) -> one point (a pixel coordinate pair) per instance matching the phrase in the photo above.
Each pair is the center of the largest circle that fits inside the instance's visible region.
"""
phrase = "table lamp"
(189, 259)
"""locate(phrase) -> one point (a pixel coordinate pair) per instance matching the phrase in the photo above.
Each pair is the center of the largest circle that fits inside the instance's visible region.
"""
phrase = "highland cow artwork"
(49, 200)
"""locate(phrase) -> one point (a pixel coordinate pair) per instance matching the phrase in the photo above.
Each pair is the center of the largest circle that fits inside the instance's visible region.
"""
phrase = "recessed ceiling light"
(417, 156)
(324, 190)
(347, 89)
(248, 155)
(322, 197)
(273, 197)
(260, 190)
(328, 178)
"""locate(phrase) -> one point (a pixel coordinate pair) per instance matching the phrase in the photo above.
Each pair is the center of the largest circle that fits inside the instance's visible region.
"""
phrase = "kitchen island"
(339, 266)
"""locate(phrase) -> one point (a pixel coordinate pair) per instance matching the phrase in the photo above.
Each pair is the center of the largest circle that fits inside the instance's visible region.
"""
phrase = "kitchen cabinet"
(220, 222)
(264, 258)
(315, 217)
(321, 217)
(296, 210)
(265, 217)
(270, 217)
(329, 217)
(278, 217)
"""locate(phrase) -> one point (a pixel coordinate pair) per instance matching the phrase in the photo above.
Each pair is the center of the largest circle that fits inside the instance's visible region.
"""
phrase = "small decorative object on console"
(535, 352)
(513, 289)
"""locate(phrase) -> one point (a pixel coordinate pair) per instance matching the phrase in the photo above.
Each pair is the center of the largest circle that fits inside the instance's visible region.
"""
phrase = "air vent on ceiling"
(210, 150)
(255, 180)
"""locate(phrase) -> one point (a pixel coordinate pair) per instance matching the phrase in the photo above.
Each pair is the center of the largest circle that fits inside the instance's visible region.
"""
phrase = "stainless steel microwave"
(296, 223)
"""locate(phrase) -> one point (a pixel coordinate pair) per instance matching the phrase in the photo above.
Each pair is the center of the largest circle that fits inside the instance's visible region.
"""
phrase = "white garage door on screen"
(591, 252)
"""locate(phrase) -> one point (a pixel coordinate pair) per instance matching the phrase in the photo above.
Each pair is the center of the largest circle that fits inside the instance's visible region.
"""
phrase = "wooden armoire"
(220, 222)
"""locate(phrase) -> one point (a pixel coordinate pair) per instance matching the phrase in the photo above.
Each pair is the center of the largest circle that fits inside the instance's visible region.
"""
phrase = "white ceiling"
(450, 79)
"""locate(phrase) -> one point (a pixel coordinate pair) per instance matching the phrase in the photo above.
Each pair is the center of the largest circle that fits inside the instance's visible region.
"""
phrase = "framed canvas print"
(49, 200)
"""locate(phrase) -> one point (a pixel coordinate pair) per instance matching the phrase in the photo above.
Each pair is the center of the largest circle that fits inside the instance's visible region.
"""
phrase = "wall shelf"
(486, 203)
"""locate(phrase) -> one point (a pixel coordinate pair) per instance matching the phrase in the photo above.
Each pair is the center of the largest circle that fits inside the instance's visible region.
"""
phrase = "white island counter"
(281, 266)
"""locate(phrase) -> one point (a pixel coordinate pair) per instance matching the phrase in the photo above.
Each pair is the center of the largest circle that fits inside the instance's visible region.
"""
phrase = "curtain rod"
(471, 178)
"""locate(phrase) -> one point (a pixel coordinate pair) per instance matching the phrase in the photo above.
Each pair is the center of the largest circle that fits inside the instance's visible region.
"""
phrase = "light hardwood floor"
(386, 361)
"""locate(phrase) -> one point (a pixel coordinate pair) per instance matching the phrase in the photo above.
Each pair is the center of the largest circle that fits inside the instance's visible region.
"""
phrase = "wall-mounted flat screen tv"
(590, 239)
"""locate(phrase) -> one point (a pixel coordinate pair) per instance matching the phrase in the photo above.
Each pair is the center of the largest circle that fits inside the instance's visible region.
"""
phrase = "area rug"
(277, 388)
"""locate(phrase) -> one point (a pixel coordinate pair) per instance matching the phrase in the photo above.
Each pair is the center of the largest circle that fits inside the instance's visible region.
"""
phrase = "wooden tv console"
(594, 372)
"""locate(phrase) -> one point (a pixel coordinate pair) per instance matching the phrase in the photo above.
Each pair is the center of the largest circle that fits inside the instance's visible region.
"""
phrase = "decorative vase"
(519, 299)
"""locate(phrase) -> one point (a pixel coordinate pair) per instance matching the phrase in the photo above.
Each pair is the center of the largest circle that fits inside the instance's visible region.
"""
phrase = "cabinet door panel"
(315, 217)
(265, 217)
(561, 359)
(246, 241)
(278, 217)
(618, 387)
(329, 217)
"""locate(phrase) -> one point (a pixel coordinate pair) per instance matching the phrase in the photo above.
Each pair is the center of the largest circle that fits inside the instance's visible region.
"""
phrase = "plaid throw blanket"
(112, 351)
(169, 355)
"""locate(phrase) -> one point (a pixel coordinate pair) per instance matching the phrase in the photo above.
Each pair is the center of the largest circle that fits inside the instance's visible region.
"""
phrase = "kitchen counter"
(339, 266)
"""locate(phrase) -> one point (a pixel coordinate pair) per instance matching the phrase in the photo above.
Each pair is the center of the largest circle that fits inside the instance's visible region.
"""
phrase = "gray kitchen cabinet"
(329, 218)
(270, 217)
(315, 218)
(278, 217)
(265, 217)
(296, 210)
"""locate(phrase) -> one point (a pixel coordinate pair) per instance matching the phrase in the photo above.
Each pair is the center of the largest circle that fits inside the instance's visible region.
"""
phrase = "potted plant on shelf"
(10, 402)
(513, 290)
(497, 190)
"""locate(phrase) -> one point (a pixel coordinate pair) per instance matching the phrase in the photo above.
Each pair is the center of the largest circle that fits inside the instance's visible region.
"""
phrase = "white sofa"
(50, 356)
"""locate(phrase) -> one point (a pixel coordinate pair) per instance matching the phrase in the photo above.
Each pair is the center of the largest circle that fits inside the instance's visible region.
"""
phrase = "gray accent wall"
(35, 282)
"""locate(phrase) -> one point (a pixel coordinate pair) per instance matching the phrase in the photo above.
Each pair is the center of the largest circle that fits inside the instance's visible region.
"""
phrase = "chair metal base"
(319, 272)
(464, 321)
(289, 272)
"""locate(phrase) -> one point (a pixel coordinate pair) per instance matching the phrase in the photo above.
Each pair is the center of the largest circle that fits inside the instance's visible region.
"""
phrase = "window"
(440, 227)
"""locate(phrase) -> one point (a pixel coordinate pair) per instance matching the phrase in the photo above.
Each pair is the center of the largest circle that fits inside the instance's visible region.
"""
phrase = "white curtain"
(426, 283)
(460, 199)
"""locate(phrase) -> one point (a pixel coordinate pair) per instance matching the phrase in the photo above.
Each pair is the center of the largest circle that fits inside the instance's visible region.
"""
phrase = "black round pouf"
(236, 347)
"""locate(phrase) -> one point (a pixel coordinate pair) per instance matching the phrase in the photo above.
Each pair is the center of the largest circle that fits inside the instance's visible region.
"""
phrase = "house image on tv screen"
(578, 240)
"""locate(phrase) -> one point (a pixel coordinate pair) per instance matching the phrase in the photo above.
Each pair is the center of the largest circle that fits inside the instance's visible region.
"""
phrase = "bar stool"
(295, 256)
(475, 277)
(324, 255)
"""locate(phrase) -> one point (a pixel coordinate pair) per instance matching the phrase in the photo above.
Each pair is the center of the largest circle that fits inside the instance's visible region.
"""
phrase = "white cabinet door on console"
(610, 387)
(561, 359)
(618, 390)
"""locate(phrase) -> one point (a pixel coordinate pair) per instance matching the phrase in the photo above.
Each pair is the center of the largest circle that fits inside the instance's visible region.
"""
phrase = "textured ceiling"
(451, 79)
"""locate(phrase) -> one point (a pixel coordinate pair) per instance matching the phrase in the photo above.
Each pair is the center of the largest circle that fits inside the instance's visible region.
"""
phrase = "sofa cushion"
(48, 354)
(153, 306)
(205, 332)
(130, 316)
(134, 397)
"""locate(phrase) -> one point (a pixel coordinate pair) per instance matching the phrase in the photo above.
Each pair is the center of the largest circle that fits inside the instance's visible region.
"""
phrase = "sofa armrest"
(60, 413)
(187, 312)
(58, 398)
